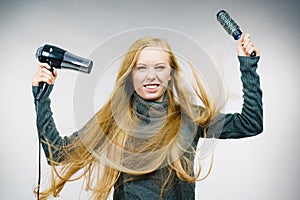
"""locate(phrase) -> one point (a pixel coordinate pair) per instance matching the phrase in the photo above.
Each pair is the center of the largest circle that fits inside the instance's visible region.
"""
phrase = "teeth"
(151, 86)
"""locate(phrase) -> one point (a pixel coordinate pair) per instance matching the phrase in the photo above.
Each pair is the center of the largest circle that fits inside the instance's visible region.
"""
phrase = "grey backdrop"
(263, 167)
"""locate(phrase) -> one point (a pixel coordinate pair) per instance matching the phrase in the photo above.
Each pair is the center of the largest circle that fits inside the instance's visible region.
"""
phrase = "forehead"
(150, 55)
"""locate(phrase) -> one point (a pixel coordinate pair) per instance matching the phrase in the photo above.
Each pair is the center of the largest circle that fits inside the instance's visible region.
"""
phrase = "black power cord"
(39, 155)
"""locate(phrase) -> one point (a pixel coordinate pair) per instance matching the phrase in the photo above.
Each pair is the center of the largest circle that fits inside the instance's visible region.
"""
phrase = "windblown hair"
(106, 146)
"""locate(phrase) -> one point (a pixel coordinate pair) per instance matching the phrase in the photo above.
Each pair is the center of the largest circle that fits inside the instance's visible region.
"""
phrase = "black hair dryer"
(60, 59)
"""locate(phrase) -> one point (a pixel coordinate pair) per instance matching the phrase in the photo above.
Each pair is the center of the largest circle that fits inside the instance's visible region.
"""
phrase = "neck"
(149, 108)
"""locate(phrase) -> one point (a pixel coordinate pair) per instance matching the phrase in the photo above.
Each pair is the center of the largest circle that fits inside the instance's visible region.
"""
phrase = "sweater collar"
(150, 109)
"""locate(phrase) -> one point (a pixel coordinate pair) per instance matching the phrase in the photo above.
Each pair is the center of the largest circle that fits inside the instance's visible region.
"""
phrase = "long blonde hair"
(104, 148)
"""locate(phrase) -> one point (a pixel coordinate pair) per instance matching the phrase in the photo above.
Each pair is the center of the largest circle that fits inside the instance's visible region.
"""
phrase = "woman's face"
(151, 74)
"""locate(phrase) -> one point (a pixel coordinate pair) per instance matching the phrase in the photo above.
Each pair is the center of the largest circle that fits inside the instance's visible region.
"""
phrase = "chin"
(152, 97)
(157, 98)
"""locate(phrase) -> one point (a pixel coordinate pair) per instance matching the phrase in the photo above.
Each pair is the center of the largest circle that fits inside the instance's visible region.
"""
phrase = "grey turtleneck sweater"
(129, 187)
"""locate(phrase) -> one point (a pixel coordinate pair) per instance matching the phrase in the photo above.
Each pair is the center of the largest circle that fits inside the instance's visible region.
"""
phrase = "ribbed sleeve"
(249, 121)
(46, 127)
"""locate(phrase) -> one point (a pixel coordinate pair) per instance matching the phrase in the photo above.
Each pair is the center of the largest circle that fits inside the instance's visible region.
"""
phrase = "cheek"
(136, 80)
(165, 78)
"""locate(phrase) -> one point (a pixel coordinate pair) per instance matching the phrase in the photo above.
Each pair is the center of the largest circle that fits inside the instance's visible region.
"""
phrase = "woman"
(142, 141)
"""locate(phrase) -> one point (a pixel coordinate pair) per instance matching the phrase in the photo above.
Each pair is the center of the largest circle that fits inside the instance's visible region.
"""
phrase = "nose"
(151, 75)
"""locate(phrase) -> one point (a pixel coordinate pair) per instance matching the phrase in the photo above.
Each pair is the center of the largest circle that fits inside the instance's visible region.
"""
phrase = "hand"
(246, 47)
(44, 74)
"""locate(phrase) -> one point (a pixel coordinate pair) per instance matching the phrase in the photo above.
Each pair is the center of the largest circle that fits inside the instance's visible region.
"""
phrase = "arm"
(250, 121)
(45, 123)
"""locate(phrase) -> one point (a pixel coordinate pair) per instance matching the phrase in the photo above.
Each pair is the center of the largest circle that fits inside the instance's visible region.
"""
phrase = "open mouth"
(151, 86)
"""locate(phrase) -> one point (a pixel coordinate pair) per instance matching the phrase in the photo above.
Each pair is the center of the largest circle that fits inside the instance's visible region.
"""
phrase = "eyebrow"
(159, 63)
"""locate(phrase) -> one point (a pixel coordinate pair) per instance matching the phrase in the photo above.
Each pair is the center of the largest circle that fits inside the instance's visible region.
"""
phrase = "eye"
(140, 67)
(160, 67)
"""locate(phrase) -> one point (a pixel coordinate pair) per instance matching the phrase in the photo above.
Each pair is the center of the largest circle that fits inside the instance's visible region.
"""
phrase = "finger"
(43, 72)
(246, 40)
(37, 79)
(46, 75)
(46, 71)
(45, 79)
(48, 78)
(247, 36)
(54, 72)
(246, 44)
(45, 65)
(249, 50)
(241, 40)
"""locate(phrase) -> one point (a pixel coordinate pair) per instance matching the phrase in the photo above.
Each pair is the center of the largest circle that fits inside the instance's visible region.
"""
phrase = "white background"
(262, 167)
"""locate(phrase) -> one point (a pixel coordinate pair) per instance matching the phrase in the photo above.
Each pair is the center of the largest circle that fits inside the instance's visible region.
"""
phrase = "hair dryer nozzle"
(74, 62)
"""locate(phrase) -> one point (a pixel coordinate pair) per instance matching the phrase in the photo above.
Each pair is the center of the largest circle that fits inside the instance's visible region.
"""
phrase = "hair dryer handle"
(43, 87)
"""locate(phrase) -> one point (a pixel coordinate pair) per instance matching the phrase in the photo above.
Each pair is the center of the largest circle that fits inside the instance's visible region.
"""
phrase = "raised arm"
(250, 121)
(47, 131)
